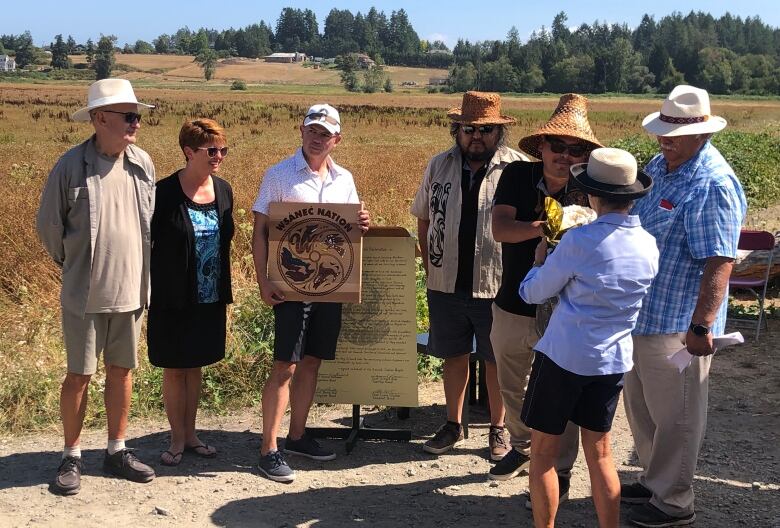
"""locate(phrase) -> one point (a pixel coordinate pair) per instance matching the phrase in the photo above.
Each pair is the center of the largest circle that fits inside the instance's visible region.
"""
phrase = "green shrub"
(238, 85)
(754, 156)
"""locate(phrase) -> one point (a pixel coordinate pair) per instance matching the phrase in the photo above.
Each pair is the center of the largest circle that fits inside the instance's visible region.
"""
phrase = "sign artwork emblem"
(315, 256)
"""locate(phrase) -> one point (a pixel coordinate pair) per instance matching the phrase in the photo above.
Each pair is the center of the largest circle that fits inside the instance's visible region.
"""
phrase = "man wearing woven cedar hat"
(461, 259)
(518, 214)
(695, 212)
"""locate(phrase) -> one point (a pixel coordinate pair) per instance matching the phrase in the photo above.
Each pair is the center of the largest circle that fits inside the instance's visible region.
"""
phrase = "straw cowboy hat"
(611, 173)
(685, 112)
(570, 119)
(480, 108)
(107, 92)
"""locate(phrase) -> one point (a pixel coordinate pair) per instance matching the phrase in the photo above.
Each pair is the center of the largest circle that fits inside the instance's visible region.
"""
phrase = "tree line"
(724, 55)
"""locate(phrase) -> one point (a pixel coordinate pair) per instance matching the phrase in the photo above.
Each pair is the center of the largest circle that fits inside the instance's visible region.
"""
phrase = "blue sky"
(448, 21)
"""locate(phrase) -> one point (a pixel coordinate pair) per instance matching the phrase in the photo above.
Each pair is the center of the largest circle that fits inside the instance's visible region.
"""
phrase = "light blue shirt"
(601, 271)
(694, 213)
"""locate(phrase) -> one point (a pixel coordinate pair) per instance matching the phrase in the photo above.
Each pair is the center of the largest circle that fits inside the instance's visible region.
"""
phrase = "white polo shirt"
(292, 180)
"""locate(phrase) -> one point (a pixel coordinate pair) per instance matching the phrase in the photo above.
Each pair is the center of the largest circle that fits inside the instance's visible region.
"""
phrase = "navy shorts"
(555, 396)
(457, 321)
(306, 329)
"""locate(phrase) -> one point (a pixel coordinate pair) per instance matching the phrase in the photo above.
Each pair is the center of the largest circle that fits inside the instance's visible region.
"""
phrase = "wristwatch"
(699, 329)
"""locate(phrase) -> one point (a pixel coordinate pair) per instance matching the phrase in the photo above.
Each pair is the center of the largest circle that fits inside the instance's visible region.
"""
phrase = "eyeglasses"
(212, 151)
(130, 117)
(321, 116)
(559, 147)
(483, 129)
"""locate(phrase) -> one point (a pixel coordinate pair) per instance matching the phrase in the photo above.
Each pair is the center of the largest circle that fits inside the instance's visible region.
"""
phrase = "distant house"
(285, 57)
(7, 63)
(438, 81)
(364, 61)
(439, 52)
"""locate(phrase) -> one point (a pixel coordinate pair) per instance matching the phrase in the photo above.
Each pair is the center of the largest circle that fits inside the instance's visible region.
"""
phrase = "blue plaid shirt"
(694, 213)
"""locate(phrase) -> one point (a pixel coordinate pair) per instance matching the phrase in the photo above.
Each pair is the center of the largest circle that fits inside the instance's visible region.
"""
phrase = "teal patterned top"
(205, 223)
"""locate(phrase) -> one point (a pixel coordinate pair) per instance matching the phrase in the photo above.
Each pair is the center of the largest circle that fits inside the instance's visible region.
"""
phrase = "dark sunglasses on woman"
(212, 151)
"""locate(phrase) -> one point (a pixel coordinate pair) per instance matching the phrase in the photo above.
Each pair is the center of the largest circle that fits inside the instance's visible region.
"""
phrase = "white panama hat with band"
(611, 173)
(107, 92)
(685, 112)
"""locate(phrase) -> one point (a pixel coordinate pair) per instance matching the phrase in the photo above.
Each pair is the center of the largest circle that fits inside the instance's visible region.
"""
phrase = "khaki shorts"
(115, 335)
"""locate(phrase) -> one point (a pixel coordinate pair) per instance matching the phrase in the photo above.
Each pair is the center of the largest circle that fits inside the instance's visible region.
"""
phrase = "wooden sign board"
(376, 357)
(315, 251)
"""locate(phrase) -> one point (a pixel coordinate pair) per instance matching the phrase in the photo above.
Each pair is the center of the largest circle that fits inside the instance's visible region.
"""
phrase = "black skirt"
(190, 337)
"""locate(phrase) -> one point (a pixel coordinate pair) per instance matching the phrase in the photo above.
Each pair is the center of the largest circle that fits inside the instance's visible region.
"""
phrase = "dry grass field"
(388, 139)
(166, 68)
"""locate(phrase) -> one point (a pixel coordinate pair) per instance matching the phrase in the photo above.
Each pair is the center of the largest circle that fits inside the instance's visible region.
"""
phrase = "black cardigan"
(173, 270)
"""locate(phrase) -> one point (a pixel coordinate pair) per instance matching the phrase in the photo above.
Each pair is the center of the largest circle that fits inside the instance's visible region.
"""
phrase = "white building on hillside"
(7, 63)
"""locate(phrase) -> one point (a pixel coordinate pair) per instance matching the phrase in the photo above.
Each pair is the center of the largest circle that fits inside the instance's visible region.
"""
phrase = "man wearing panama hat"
(695, 211)
(461, 259)
(94, 221)
(580, 361)
(518, 212)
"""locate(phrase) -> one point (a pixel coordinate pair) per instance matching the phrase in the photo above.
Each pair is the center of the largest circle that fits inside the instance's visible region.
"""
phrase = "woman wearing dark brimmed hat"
(600, 271)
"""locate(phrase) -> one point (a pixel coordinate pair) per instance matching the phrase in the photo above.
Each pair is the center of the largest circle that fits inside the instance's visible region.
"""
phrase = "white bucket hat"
(108, 92)
(685, 112)
(611, 172)
(323, 115)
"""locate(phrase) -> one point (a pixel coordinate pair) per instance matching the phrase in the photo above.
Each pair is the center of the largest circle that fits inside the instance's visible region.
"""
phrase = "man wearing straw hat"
(518, 213)
(694, 211)
(461, 259)
(94, 221)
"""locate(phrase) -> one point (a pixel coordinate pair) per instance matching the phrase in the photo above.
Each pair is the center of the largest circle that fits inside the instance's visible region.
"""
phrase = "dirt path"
(389, 484)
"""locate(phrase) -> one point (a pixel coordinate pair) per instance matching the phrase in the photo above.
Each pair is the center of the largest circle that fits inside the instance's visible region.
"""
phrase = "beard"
(485, 155)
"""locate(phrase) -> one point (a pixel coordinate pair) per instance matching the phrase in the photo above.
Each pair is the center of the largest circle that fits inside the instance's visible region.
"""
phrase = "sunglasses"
(483, 129)
(212, 151)
(559, 147)
(130, 117)
(321, 116)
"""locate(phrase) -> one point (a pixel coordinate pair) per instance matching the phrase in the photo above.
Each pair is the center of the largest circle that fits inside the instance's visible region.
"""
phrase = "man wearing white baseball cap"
(94, 221)
(695, 211)
(305, 333)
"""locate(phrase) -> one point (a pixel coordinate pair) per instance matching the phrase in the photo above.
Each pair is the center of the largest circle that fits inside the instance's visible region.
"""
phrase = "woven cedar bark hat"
(480, 108)
(570, 119)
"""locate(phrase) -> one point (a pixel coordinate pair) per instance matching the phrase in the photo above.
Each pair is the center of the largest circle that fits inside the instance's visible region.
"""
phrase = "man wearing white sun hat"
(695, 211)
(94, 221)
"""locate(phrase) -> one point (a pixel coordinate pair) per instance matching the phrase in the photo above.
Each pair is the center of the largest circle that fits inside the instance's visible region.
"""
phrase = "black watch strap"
(699, 329)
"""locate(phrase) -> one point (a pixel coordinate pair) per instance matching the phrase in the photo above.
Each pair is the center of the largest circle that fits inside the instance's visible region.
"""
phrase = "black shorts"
(306, 329)
(458, 323)
(555, 396)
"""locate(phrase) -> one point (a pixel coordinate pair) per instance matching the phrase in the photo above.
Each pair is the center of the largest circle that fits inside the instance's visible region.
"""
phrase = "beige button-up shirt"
(439, 201)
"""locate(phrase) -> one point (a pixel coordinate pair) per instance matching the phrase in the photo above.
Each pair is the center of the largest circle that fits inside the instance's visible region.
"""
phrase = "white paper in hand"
(682, 358)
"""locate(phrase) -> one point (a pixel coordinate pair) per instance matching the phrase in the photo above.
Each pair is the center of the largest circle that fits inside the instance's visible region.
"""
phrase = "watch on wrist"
(699, 329)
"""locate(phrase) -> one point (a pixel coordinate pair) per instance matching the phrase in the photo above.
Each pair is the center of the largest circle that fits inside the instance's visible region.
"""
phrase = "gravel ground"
(388, 484)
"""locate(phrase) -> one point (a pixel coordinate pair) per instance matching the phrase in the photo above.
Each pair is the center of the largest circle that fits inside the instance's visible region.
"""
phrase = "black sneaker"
(274, 466)
(510, 466)
(649, 516)
(634, 493)
(125, 464)
(450, 435)
(68, 481)
(563, 493)
(309, 447)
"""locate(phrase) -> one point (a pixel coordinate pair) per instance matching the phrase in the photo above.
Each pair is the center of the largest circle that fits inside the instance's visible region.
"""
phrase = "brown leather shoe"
(448, 436)
(68, 481)
(499, 447)
(125, 464)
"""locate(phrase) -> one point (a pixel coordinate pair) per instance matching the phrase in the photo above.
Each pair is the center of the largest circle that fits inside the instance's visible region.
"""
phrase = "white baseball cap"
(325, 116)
